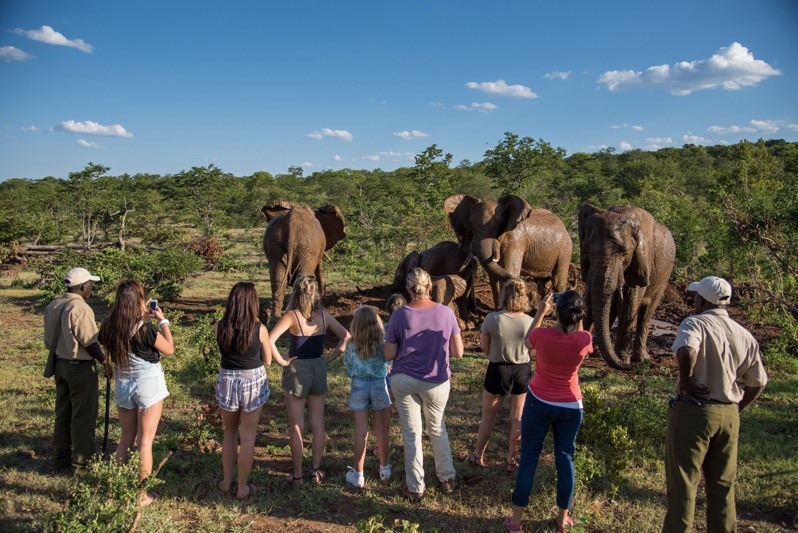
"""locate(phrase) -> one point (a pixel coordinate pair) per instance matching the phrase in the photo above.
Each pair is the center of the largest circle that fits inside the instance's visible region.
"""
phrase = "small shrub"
(208, 248)
(374, 525)
(106, 498)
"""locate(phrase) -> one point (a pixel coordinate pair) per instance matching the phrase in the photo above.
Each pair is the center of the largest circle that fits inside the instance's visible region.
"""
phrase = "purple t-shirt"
(423, 338)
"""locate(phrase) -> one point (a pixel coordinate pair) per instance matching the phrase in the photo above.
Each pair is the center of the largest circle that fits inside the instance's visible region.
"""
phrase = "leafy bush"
(202, 338)
(106, 498)
(163, 273)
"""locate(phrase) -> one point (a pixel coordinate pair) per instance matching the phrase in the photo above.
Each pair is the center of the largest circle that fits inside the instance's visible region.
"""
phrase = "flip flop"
(316, 476)
(152, 499)
(473, 459)
(512, 466)
(295, 481)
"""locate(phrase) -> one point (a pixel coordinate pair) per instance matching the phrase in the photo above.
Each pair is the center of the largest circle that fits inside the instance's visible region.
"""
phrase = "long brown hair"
(367, 332)
(122, 324)
(305, 298)
(234, 332)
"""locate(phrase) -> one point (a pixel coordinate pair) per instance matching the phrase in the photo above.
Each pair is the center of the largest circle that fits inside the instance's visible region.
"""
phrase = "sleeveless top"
(307, 346)
(247, 360)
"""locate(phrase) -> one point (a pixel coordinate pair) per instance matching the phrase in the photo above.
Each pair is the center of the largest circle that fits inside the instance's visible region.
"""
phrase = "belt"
(703, 401)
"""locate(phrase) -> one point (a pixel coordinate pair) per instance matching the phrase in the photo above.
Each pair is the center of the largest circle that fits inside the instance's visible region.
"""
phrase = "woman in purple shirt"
(420, 339)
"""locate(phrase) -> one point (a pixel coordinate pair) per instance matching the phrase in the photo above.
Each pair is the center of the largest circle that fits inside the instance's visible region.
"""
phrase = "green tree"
(89, 195)
(203, 192)
(516, 163)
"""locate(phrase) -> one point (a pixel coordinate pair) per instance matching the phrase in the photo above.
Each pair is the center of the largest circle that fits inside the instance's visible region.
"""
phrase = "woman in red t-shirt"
(554, 400)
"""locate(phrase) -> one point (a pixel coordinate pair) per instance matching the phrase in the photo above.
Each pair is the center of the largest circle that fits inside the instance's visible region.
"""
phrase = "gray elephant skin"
(512, 240)
(450, 290)
(443, 259)
(295, 240)
(626, 258)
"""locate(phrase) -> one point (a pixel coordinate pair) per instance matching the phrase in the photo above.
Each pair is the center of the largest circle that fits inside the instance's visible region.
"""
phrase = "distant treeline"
(733, 210)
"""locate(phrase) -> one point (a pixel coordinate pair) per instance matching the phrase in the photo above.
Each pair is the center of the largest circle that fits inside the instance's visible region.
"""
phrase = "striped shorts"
(242, 390)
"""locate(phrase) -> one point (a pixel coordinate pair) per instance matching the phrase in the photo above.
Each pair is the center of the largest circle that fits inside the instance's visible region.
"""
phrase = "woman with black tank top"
(135, 346)
(241, 387)
(305, 378)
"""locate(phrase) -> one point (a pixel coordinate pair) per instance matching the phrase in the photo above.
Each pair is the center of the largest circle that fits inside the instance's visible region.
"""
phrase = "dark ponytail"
(571, 308)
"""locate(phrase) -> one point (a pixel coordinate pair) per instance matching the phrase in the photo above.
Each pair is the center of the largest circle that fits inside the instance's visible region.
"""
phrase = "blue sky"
(162, 86)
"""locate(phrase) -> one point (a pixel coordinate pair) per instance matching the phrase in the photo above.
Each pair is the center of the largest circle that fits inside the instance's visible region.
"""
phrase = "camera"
(153, 305)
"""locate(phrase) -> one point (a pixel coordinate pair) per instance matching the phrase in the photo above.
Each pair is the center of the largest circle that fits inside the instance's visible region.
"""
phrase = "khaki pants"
(701, 438)
(414, 397)
(76, 404)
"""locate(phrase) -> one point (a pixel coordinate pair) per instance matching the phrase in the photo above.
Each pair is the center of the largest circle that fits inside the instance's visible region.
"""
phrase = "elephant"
(512, 240)
(626, 258)
(450, 290)
(443, 259)
(295, 240)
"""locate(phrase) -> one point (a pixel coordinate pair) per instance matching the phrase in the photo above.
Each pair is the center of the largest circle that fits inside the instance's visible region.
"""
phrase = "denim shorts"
(369, 393)
(242, 390)
(141, 385)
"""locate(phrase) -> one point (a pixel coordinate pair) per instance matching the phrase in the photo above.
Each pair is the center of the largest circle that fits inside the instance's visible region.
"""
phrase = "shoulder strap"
(298, 323)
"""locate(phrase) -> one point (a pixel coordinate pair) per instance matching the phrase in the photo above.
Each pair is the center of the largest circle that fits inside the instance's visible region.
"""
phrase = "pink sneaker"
(509, 526)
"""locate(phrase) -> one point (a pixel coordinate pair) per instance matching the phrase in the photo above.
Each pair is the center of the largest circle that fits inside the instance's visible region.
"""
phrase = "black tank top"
(248, 360)
(307, 346)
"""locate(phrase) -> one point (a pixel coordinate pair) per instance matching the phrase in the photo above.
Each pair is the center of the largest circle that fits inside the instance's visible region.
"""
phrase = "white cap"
(78, 276)
(712, 289)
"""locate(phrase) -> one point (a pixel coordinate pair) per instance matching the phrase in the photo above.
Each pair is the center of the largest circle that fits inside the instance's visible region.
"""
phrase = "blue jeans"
(535, 422)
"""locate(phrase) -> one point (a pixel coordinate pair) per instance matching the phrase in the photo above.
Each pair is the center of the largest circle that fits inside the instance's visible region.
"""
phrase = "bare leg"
(382, 419)
(516, 409)
(361, 437)
(518, 514)
(316, 412)
(490, 406)
(129, 420)
(296, 423)
(230, 421)
(148, 425)
(562, 517)
(249, 429)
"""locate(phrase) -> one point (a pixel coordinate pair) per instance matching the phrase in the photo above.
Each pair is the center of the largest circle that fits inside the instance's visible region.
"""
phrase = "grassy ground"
(30, 494)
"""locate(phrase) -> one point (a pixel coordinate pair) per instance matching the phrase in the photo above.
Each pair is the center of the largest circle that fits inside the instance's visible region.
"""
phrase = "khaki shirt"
(507, 336)
(727, 352)
(78, 328)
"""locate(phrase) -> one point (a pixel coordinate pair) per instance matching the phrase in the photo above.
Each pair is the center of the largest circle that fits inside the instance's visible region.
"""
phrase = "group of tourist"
(406, 363)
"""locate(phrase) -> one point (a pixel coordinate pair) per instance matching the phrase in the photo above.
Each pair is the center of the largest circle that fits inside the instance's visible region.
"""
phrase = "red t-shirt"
(557, 360)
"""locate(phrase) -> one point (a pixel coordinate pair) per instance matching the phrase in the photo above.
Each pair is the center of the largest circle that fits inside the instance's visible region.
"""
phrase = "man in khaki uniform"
(713, 352)
(70, 321)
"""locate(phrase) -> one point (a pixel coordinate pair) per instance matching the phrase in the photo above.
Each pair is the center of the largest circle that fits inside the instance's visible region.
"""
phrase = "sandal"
(316, 476)
(512, 466)
(473, 459)
(294, 480)
(569, 523)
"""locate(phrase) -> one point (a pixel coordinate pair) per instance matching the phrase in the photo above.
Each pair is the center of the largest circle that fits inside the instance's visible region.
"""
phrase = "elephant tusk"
(494, 260)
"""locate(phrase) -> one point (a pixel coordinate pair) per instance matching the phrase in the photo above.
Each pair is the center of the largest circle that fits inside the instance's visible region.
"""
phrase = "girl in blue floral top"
(366, 365)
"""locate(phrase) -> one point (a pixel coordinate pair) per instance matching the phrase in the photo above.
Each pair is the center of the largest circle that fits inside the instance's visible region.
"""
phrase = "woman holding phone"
(135, 346)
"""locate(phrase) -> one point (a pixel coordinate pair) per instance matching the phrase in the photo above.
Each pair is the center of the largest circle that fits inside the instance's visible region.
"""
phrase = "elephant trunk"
(603, 285)
(487, 253)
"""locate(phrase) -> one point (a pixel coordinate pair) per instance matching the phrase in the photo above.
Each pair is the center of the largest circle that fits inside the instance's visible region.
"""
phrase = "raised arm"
(163, 341)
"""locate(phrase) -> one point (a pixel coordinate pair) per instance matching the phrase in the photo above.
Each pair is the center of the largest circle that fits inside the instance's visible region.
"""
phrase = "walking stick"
(107, 414)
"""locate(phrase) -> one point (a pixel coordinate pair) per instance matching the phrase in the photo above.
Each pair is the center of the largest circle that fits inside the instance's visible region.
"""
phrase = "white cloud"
(626, 125)
(407, 135)
(307, 164)
(730, 68)
(10, 53)
(437, 104)
(637, 128)
(327, 132)
(689, 138)
(371, 157)
(753, 126)
(792, 126)
(337, 157)
(92, 128)
(557, 75)
(29, 129)
(659, 140)
(48, 35)
(89, 144)
(624, 146)
(487, 107)
(500, 88)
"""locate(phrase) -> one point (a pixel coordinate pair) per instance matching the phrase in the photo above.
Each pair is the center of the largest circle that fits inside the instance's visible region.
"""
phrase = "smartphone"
(556, 296)
(153, 305)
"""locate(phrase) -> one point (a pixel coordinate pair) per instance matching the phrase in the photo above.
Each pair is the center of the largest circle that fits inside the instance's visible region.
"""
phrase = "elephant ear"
(585, 212)
(459, 286)
(332, 223)
(637, 273)
(458, 208)
(275, 209)
(512, 210)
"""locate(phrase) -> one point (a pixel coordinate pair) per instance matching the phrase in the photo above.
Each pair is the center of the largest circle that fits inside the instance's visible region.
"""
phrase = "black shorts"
(504, 379)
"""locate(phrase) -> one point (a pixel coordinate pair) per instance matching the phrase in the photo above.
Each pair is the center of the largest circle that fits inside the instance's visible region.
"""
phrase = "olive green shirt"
(76, 329)
(507, 336)
(726, 353)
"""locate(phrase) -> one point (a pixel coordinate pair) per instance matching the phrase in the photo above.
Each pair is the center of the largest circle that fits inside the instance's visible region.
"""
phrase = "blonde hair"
(367, 332)
(418, 282)
(305, 298)
(513, 297)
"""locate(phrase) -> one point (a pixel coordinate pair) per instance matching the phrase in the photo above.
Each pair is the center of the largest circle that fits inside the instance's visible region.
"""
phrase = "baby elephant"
(451, 290)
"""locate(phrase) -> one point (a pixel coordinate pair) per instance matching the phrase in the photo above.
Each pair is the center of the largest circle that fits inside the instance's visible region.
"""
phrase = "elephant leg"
(627, 321)
(279, 280)
(494, 289)
(320, 278)
(646, 314)
(461, 311)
